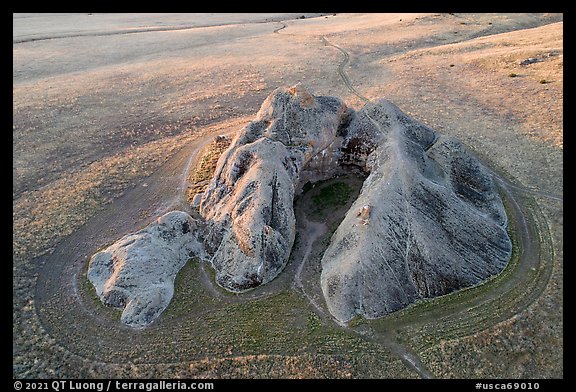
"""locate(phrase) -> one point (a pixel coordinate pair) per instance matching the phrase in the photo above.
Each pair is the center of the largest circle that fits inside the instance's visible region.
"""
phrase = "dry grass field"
(111, 110)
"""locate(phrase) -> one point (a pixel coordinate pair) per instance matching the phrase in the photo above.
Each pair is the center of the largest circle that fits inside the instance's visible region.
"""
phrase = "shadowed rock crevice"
(428, 220)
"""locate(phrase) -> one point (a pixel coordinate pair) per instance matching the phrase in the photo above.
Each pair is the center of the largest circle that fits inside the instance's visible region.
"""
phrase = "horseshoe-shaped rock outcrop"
(428, 220)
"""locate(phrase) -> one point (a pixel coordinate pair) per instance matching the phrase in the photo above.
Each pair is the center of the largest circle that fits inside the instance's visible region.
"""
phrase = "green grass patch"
(189, 294)
(329, 200)
(281, 323)
(330, 197)
(333, 195)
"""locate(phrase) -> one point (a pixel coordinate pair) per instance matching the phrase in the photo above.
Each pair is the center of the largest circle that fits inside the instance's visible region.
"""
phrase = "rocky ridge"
(249, 202)
(428, 220)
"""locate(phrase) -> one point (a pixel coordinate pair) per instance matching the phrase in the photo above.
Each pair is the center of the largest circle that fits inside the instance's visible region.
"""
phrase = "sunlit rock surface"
(428, 220)
(249, 202)
(137, 272)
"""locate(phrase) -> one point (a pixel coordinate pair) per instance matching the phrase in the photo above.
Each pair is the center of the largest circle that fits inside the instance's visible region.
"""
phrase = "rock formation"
(137, 272)
(428, 220)
(249, 202)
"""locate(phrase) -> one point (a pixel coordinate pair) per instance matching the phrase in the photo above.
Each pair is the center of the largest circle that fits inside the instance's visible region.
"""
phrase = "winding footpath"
(346, 81)
(341, 71)
(311, 232)
(530, 256)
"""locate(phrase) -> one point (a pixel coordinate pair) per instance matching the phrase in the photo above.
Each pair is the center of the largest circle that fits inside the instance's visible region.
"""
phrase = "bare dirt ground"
(109, 110)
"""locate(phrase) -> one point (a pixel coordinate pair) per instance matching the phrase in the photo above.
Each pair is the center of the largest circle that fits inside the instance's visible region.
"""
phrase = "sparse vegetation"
(199, 177)
(87, 132)
(331, 196)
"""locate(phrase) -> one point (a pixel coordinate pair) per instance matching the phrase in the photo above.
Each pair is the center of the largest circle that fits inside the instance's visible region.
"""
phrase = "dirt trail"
(311, 232)
(137, 207)
(25, 38)
(530, 257)
(58, 273)
(341, 71)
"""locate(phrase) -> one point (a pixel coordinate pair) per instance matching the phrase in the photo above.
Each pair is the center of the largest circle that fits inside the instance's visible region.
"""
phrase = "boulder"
(137, 272)
(530, 60)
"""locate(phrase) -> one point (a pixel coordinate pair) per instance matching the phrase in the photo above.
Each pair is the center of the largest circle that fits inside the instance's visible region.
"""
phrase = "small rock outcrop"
(137, 272)
(428, 220)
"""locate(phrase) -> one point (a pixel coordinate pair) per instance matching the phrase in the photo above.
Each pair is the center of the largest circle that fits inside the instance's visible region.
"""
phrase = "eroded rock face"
(137, 272)
(428, 220)
(249, 202)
